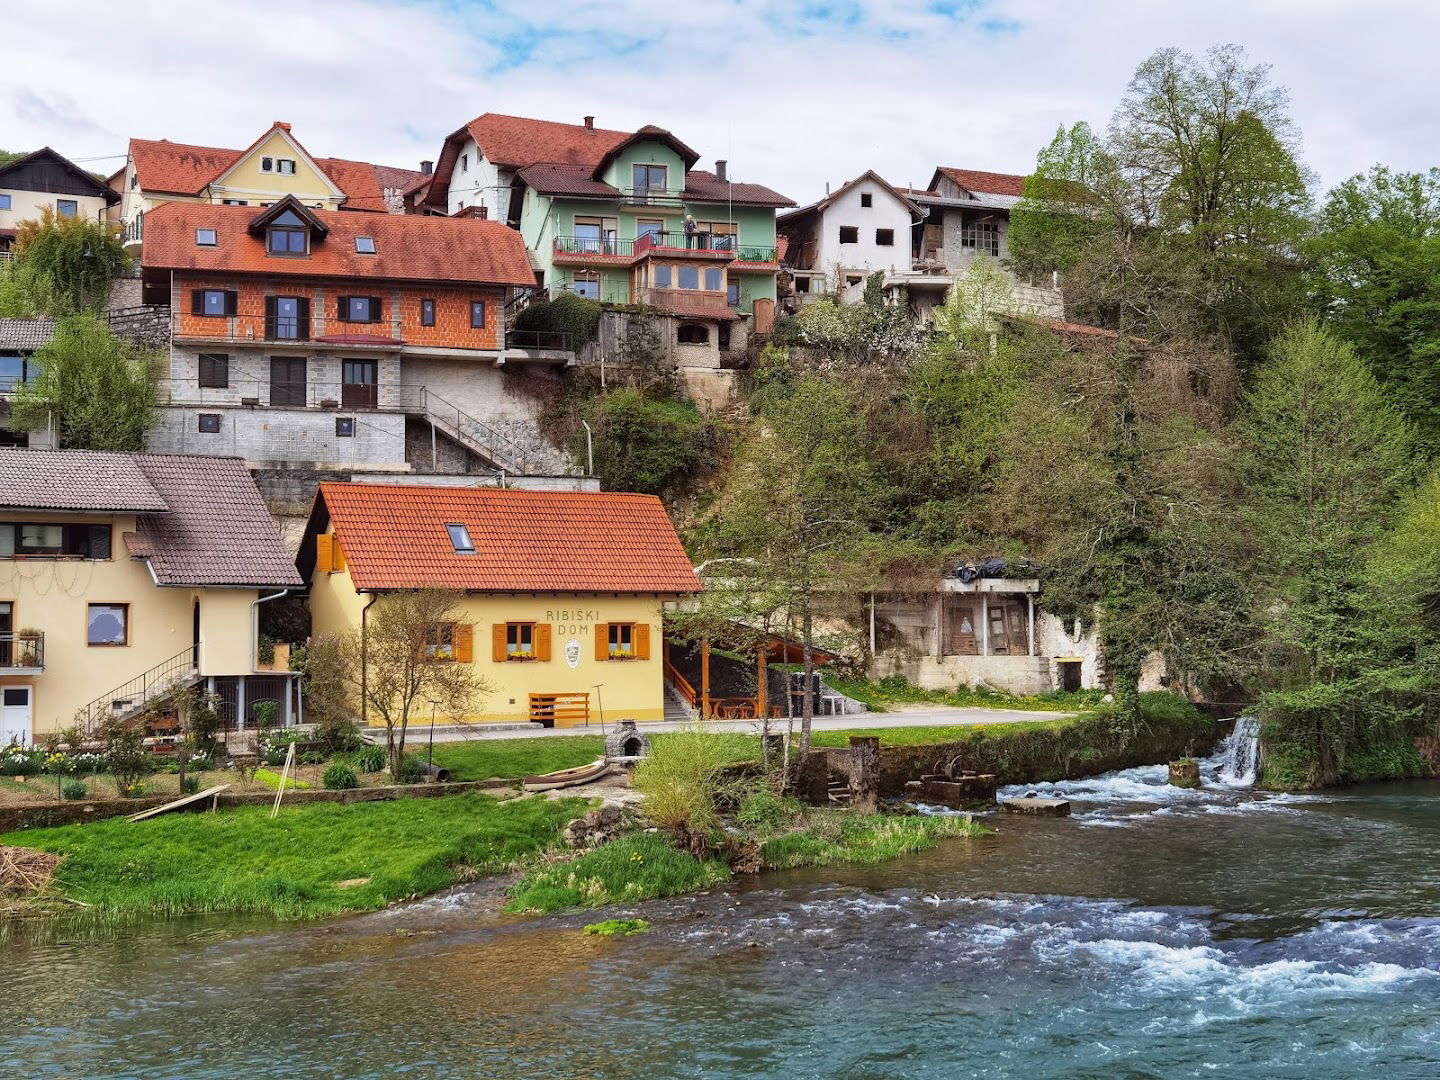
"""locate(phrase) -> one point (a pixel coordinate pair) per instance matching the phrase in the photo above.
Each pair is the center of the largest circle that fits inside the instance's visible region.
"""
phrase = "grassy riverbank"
(884, 695)
(308, 862)
(644, 866)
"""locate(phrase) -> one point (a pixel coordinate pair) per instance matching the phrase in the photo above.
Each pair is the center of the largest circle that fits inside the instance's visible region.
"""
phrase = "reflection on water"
(1158, 932)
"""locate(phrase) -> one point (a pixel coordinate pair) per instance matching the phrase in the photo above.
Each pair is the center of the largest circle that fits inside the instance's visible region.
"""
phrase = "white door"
(15, 715)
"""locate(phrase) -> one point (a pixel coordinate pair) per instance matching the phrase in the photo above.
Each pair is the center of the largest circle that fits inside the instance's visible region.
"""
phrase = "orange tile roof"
(394, 537)
(992, 183)
(183, 169)
(408, 247)
(516, 141)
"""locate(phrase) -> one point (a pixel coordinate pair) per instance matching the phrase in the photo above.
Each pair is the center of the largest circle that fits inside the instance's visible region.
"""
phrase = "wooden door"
(999, 640)
(1018, 624)
(963, 631)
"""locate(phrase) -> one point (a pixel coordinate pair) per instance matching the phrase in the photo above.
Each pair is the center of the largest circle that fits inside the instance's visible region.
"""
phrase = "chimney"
(589, 123)
(282, 125)
(427, 167)
(720, 164)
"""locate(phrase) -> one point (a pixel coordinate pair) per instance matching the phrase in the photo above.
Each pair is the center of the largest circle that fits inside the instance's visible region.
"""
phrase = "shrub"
(567, 314)
(339, 776)
(762, 810)
(370, 759)
(17, 761)
(134, 790)
(635, 867)
(412, 771)
(190, 785)
(201, 762)
(74, 790)
(686, 773)
(125, 752)
(313, 757)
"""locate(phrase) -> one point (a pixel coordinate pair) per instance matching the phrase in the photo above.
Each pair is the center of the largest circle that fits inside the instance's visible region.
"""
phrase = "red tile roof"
(992, 183)
(394, 537)
(408, 247)
(572, 180)
(182, 169)
(702, 186)
(517, 141)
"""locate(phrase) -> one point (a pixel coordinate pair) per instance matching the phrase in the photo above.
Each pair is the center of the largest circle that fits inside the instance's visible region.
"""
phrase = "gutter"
(255, 625)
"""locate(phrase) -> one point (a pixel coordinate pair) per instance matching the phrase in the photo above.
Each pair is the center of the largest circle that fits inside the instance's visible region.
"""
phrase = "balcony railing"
(694, 301)
(757, 253)
(670, 241)
(648, 196)
(22, 651)
(242, 328)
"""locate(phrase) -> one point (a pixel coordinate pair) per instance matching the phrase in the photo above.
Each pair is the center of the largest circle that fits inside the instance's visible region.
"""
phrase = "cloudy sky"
(792, 92)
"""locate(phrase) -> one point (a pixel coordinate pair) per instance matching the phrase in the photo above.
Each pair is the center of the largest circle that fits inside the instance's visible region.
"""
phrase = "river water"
(1157, 932)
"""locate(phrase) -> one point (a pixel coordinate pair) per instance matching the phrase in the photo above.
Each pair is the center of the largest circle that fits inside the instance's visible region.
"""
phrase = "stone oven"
(626, 743)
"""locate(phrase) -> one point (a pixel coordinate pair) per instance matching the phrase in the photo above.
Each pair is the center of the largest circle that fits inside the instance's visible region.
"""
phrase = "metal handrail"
(133, 695)
(21, 650)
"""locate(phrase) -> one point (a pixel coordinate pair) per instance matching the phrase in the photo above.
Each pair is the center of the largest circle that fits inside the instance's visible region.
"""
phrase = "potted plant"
(28, 640)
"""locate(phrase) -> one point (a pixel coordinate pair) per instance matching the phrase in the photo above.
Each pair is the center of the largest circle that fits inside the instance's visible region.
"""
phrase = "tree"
(72, 260)
(794, 511)
(653, 445)
(1376, 259)
(399, 663)
(98, 390)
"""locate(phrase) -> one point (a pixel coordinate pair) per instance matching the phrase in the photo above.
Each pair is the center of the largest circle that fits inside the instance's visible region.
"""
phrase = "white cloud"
(794, 93)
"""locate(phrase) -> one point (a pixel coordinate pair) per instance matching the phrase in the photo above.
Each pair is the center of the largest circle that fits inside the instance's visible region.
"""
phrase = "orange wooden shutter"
(602, 641)
(323, 558)
(541, 641)
(497, 643)
(463, 637)
(337, 553)
(640, 640)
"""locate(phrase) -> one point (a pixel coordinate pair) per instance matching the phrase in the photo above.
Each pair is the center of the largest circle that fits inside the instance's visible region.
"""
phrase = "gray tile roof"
(25, 335)
(75, 480)
(218, 530)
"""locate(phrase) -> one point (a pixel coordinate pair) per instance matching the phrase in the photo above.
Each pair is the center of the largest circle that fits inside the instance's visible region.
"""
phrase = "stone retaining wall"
(44, 815)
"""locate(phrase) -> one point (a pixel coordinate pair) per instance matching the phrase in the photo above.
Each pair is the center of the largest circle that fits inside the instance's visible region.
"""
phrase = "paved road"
(914, 716)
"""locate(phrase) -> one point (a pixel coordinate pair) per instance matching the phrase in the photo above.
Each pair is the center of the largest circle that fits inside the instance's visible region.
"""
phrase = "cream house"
(122, 575)
(560, 593)
(44, 179)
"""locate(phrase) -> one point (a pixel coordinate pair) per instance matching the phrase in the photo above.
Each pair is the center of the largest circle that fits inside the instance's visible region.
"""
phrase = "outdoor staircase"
(131, 697)
(460, 427)
(677, 709)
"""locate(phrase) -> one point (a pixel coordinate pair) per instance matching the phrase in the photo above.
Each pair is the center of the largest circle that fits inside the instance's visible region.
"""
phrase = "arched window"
(693, 334)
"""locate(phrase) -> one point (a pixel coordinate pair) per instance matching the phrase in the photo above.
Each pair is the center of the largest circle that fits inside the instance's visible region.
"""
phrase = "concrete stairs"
(677, 709)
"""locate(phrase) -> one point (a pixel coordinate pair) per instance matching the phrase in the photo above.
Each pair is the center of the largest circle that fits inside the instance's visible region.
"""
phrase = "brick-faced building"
(314, 337)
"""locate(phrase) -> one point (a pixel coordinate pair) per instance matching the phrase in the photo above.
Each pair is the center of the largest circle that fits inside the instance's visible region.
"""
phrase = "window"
(67, 207)
(76, 541)
(134, 180)
(732, 294)
(622, 638)
(360, 309)
(849, 234)
(595, 235)
(4, 202)
(14, 370)
(213, 301)
(427, 312)
(234, 202)
(440, 642)
(648, 180)
(660, 275)
(288, 241)
(285, 166)
(692, 334)
(519, 641)
(586, 283)
(477, 314)
(205, 237)
(267, 164)
(714, 280)
(287, 380)
(344, 427)
(652, 228)
(460, 538)
(364, 245)
(108, 624)
(287, 318)
(867, 199)
(688, 277)
(980, 236)
(214, 371)
(209, 423)
(853, 279)
(464, 164)
(359, 384)
(722, 234)
(802, 284)
(885, 237)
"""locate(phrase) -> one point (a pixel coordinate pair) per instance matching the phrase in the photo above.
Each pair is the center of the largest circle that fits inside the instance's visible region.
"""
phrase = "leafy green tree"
(97, 390)
(1376, 261)
(72, 261)
(648, 444)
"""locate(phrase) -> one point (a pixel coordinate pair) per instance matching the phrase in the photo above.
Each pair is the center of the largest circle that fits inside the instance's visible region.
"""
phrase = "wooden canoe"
(582, 774)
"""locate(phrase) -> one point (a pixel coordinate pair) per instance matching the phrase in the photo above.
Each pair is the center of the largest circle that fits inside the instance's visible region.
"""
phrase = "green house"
(620, 217)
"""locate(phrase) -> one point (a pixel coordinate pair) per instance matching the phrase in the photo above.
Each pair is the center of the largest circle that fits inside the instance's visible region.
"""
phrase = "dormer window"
(267, 164)
(460, 538)
(205, 237)
(364, 245)
(288, 235)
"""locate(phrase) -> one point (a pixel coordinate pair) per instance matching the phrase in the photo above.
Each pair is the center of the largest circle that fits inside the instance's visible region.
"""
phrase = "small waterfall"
(1233, 764)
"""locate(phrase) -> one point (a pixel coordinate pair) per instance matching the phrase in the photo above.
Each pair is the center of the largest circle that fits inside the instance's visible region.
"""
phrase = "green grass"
(271, 780)
(483, 759)
(617, 928)
(641, 866)
(308, 862)
(881, 696)
(839, 836)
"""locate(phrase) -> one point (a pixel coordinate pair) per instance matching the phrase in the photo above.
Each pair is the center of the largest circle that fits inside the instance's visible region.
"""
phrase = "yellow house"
(122, 575)
(561, 592)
